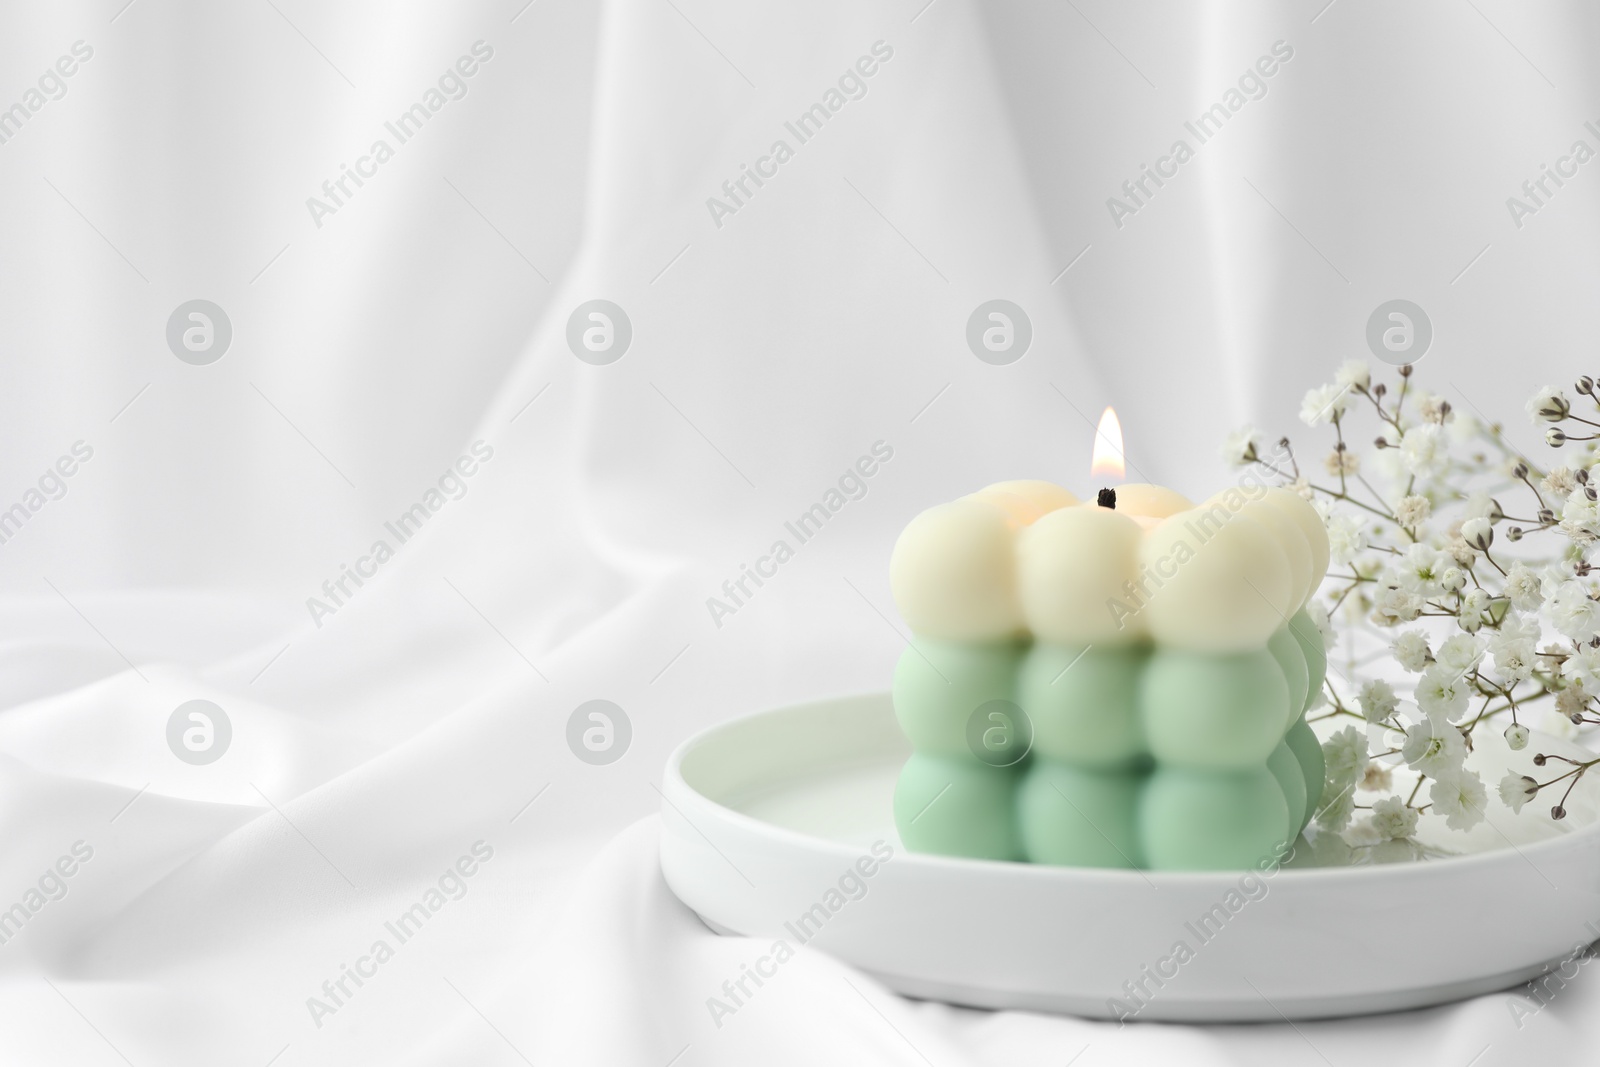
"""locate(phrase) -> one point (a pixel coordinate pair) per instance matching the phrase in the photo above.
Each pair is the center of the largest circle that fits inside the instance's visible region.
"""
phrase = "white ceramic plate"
(766, 819)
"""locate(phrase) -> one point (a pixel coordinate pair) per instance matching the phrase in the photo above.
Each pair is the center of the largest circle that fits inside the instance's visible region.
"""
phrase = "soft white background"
(428, 313)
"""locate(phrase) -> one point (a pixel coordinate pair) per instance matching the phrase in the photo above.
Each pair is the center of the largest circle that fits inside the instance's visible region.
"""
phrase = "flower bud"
(1520, 470)
(1453, 579)
(1379, 389)
(1550, 405)
(1514, 534)
(1517, 736)
(1547, 516)
(1558, 812)
(1581, 475)
(1585, 385)
(1554, 437)
(1405, 370)
(1478, 533)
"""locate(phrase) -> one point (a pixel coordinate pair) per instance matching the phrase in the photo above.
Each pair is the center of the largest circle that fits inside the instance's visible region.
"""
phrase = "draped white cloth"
(391, 735)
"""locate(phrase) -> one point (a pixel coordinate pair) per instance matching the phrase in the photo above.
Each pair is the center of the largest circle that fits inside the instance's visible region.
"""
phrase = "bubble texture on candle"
(957, 807)
(1296, 552)
(1078, 817)
(1024, 557)
(1291, 778)
(1299, 510)
(1025, 502)
(1217, 712)
(1310, 638)
(1071, 564)
(1151, 665)
(1225, 581)
(939, 684)
(1292, 662)
(953, 573)
(1083, 703)
(1302, 741)
(1204, 821)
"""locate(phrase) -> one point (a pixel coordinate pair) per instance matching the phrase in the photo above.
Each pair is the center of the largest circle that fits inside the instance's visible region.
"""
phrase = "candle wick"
(1108, 499)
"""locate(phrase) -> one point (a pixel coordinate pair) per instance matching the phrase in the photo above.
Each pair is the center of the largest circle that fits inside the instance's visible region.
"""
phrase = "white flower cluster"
(1497, 607)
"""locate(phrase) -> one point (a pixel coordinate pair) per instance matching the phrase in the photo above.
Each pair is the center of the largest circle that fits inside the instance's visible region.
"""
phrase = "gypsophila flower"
(1522, 586)
(1580, 517)
(1516, 789)
(1421, 569)
(1423, 451)
(1584, 668)
(1433, 408)
(1518, 633)
(1412, 511)
(1242, 447)
(1411, 650)
(1460, 797)
(1559, 482)
(1338, 804)
(1418, 538)
(1551, 577)
(1390, 466)
(1460, 653)
(1355, 374)
(1513, 659)
(1442, 692)
(1396, 605)
(1433, 747)
(1572, 701)
(1376, 778)
(1393, 820)
(1572, 612)
(1548, 405)
(1325, 403)
(1346, 538)
(1474, 610)
(1377, 700)
(1342, 462)
(1345, 755)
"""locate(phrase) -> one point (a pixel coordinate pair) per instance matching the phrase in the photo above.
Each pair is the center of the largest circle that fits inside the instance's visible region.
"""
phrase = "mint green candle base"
(1291, 660)
(1109, 757)
(938, 685)
(1082, 704)
(1213, 712)
(1079, 818)
(1302, 741)
(1208, 821)
(956, 806)
(1291, 779)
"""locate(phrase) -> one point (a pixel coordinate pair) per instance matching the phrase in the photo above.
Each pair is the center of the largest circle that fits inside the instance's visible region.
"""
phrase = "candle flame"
(1107, 461)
